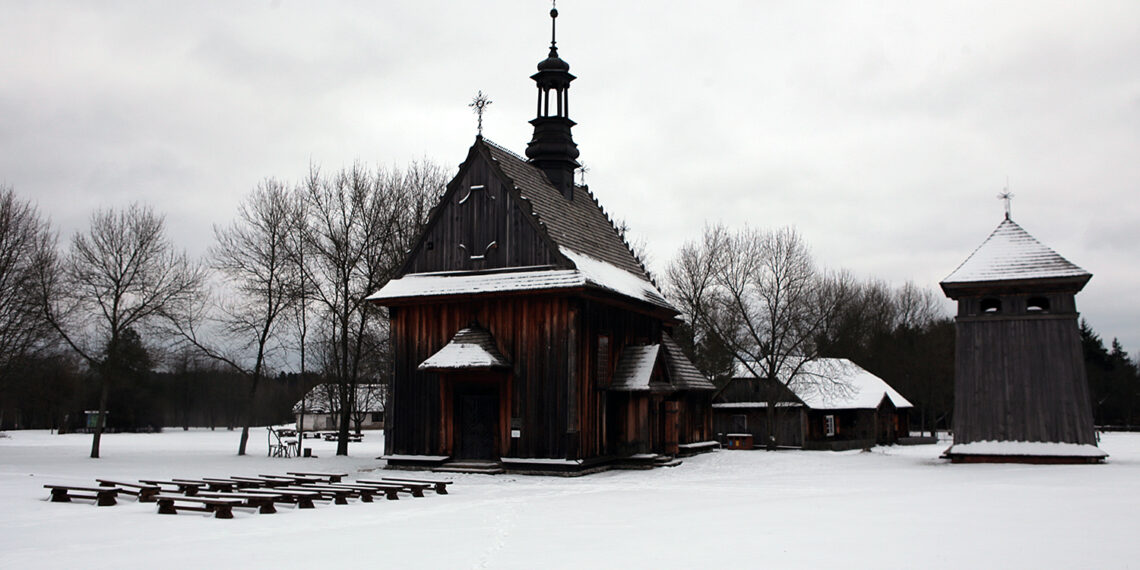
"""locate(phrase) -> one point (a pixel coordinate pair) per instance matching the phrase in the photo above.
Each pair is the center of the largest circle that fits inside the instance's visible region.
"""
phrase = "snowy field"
(896, 507)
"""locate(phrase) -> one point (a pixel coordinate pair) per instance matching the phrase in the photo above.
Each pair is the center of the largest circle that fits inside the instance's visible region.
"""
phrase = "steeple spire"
(552, 148)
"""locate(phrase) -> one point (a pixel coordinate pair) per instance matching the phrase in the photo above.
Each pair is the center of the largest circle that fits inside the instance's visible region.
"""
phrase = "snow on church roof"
(1010, 253)
(590, 272)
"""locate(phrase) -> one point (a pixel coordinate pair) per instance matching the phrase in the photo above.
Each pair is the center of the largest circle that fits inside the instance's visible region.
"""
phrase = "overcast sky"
(882, 130)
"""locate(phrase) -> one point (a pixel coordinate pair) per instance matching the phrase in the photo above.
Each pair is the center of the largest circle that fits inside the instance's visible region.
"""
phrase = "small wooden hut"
(837, 405)
(1020, 393)
(525, 333)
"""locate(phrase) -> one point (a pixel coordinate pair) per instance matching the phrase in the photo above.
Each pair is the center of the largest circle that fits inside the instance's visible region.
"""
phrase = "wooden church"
(526, 335)
(1020, 390)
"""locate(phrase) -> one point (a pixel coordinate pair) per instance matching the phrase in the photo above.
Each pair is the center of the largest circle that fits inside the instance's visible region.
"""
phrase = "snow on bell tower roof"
(1009, 254)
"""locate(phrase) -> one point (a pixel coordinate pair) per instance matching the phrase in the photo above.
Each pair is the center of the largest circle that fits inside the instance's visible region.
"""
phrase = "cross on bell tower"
(552, 148)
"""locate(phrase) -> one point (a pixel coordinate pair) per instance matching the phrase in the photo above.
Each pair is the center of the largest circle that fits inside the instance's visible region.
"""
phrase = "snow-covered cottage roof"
(596, 255)
(471, 348)
(837, 384)
(322, 399)
(1010, 253)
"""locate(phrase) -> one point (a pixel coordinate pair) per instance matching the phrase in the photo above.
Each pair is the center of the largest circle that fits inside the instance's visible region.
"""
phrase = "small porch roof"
(472, 348)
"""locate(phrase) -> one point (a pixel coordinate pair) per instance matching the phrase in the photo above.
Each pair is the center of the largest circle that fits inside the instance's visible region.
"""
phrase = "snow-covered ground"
(896, 507)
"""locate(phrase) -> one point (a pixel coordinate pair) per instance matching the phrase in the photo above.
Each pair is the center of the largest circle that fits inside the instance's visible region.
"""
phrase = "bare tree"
(758, 294)
(360, 226)
(26, 250)
(254, 255)
(122, 275)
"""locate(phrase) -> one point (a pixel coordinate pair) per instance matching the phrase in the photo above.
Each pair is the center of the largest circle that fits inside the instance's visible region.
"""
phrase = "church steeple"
(552, 148)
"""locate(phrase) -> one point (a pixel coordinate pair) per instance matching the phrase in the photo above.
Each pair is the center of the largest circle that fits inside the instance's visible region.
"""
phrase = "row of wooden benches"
(220, 495)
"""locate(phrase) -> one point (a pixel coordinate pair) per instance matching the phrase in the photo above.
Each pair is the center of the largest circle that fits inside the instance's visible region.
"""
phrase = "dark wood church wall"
(1021, 379)
(621, 328)
(481, 215)
(533, 332)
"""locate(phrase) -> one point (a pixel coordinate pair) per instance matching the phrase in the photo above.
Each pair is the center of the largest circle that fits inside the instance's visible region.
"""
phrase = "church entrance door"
(477, 421)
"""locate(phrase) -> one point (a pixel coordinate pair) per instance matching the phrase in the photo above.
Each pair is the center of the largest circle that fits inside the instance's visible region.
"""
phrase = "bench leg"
(146, 496)
(305, 503)
(417, 492)
(392, 494)
(166, 507)
(340, 500)
(223, 512)
(366, 497)
(441, 489)
(60, 496)
(267, 508)
(105, 499)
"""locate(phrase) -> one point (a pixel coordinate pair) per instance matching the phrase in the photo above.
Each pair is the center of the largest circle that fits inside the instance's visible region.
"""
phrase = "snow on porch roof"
(471, 348)
(1011, 253)
(635, 368)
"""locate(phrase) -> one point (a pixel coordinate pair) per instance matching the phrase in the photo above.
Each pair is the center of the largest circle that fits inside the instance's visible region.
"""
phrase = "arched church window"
(1037, 305)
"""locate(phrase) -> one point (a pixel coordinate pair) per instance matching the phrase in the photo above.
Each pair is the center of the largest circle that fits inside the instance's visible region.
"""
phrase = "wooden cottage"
(526, 335)
(1020, 391)
(832, 404)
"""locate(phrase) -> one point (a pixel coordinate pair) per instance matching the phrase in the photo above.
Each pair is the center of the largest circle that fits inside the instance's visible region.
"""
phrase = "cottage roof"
(471, 348)
(323, 398)
(1010, 253)
(838, 384)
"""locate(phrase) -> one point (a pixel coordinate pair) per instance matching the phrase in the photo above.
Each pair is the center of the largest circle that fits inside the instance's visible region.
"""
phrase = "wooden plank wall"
(522, 326)
(476, 218)
(1021, 378)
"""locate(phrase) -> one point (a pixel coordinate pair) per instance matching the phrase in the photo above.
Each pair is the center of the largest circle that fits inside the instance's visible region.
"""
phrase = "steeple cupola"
(552, 148)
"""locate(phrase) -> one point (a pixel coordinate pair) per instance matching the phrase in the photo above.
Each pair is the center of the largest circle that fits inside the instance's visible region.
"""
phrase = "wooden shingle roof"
(1010, 253)
(578, 224)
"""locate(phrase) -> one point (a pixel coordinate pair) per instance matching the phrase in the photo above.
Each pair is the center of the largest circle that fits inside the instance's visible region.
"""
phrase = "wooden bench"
(292, 478)
(328, 477)
(213, 484)
(258, 482)
(416, 489)
(303, 499)
(144, 492)
(353, 438)
(339, 496)
(222, 508)
(263, 502)
(188, 488)
(440, 486)
(103, 496)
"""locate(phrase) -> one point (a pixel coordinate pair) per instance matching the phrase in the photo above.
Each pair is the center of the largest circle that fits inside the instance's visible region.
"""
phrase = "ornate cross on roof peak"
(479, 103)
(1008, 197)
(582, 170)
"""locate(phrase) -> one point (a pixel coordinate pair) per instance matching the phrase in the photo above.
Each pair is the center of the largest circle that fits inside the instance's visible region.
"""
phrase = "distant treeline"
(54, 392)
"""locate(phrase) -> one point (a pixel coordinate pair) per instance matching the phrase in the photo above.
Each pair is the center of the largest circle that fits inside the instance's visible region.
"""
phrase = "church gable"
(481, 223)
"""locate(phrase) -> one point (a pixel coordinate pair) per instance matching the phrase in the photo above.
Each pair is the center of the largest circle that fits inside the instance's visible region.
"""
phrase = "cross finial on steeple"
(479, 104)
(582, 170)
(1008, 197)
(553, 21)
